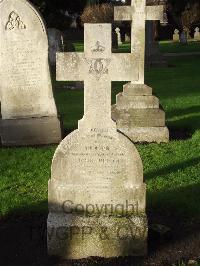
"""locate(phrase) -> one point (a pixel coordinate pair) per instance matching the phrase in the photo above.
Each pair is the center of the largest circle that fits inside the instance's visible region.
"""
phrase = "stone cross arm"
(129, 13)
(79, 67)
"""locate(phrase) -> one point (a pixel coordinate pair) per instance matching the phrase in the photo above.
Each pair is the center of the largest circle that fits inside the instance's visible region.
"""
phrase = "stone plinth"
(138, 115)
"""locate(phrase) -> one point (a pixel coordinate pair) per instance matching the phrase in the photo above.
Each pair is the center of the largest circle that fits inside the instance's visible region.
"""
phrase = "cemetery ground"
(171, 171)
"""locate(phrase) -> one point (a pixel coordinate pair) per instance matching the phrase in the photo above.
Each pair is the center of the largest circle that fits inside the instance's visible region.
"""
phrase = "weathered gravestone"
(197, 34)
(96, 171)
(56, 44)
(127, 38)
(29, 115)
(183, 37)
(136, 111)
(119, 39)
(176, 36)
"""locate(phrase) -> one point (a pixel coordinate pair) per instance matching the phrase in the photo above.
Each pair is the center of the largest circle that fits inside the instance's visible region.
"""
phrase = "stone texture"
(95, 165)
(25, 86)
(137, 102)
(136, 95)
(32, 131)
(146, 134)
(136, 90)
(85, 236)
(139, 118)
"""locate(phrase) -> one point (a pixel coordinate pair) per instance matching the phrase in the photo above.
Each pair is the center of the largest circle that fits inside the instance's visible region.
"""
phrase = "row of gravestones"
(183, 36)
(96, 192)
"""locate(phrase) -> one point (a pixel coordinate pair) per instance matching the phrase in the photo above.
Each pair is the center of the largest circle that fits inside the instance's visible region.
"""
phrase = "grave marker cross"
(97, 67)
(138, 13)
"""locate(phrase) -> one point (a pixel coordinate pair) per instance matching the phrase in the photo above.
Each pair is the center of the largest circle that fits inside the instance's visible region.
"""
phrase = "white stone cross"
(97, 67)
(138, 13)
(117, 30)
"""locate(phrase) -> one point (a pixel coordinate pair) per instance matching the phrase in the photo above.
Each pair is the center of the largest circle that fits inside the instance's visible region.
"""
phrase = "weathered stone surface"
(140, 118)
(146, 134)
(136, 102)
(137, 90)
(76, 237)
(32, 131)
(96, 171)
(25, 86)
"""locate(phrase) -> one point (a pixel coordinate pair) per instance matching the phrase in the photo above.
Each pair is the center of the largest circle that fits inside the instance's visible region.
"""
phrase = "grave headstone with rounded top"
(28, 110)
(197, 34)
(176, 36)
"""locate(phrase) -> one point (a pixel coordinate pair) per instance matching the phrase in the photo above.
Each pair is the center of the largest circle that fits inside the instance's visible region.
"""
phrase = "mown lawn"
(170, 47)
(172, 171)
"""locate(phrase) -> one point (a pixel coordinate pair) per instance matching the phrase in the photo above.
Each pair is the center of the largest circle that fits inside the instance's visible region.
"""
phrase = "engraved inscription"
(98, 47)
(28, 61)
(99, 163)
(98, 67)
(15, 22)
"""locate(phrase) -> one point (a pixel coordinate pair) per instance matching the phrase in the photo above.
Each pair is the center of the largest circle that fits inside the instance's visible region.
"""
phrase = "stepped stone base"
(30, 131)
(138, 114)
(146, 134)
(75, 237)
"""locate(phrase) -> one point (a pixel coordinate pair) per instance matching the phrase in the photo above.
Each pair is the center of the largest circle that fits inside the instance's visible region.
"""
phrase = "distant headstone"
(74, 21)
(197, 34)
(119, 39)
(56, 44)
(187, 32)
(183, 38)
(176, 36)
(96, 185)
(28, 110)
(137, 112)
(127, 38)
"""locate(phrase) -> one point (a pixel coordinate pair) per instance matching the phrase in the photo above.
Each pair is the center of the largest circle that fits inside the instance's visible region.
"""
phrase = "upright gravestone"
(127, 38)
(176, 36)
(119, 39)
(96, 191)
(137, 111)
(29, 115)
(197, 34)
(183, 37)
(56, 44)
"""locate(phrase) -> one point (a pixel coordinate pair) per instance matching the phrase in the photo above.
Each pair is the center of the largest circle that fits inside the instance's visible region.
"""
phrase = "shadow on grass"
(23, 236)
(183, 127)
(173, 168)
(180, 112)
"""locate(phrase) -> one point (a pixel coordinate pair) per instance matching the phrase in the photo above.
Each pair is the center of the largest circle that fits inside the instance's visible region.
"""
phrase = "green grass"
(172, 171)
(170, 47)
